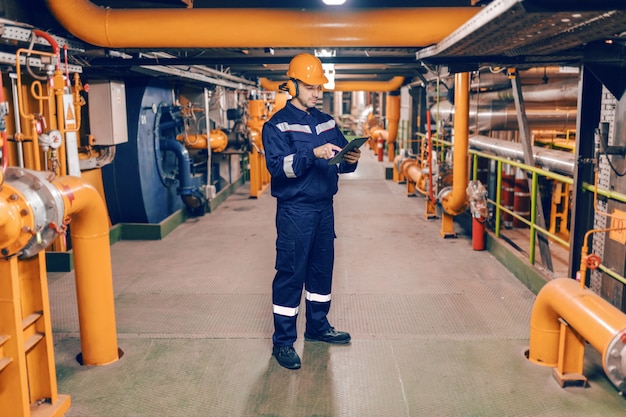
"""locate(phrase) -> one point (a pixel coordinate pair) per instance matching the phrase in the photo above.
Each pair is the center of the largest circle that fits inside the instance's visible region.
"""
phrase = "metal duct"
(235, 28)
(530, 76)
(550, 159)
(563, 91)
(502, 116)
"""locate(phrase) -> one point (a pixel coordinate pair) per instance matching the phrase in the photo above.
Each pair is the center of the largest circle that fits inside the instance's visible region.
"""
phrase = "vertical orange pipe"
(94, 278)
(456, 202)
(393, 120)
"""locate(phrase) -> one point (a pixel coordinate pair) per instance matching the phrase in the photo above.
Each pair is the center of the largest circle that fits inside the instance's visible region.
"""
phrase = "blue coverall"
(304, 187)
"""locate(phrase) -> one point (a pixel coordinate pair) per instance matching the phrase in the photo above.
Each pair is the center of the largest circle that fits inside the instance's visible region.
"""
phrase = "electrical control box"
(107, 112)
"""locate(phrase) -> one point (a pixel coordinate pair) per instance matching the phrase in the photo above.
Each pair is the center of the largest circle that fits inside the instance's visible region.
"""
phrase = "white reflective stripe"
(323, 127)
(320, 298)
(288, 166)
(286, 311)
(286, 127)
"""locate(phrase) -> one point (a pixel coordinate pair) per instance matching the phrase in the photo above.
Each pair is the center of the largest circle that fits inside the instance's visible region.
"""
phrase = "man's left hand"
(353, 156)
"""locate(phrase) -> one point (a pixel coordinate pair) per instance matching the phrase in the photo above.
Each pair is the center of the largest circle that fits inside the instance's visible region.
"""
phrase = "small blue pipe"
(184, 165)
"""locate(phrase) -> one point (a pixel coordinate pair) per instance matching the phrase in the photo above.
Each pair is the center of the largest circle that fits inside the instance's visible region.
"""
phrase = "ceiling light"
(334, 2)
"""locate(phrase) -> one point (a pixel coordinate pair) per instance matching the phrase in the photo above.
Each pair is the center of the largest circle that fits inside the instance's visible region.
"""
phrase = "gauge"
(56, 139)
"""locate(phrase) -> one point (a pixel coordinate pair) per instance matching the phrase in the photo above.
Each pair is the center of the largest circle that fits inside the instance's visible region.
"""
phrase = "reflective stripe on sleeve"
(286, 311)
(286, 127)
(288, 166)
(320, 298)
(323, 127)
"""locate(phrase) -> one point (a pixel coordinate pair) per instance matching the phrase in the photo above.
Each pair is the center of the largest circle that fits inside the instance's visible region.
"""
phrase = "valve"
(593, 261)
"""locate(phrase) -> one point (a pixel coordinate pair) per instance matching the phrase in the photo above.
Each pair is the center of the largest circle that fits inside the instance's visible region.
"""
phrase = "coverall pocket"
(285, 255)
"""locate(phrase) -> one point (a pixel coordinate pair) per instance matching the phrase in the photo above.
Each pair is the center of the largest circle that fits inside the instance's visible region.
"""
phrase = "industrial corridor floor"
(438, 329)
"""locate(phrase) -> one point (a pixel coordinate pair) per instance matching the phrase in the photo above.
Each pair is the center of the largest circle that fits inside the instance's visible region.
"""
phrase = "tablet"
(353, 144)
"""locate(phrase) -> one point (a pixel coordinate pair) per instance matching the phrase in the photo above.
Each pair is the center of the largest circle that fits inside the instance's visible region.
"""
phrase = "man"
(299, 140)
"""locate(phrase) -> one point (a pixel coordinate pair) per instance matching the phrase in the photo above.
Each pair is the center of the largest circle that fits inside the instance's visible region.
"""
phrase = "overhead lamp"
(334, 2)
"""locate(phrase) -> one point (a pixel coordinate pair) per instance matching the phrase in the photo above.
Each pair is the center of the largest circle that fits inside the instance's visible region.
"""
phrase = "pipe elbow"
(593, 318)
(544, 327)
(85, 206)
(453, 203)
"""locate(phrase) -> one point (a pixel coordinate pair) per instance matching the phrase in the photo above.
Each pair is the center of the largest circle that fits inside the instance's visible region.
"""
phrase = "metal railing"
(531, 222)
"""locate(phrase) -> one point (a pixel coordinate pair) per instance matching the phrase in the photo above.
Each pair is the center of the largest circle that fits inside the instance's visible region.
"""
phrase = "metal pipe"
(94, 278)
(562, 91)
(18, 121)
(595, 319)
(550, 159)
(235, 28)
(502, 116)
(184, 164)
(33, 212)
(391, 85)
(455, 202)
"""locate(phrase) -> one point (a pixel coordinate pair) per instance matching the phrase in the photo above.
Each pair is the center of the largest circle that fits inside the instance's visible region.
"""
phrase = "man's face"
(307, 95)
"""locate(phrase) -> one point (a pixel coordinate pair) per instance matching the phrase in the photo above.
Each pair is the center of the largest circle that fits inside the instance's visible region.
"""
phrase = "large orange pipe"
(92, 261)
(391, 85)
(455, 202)
(235, 28)
(595, 319)
(411, 169)
(393, 121)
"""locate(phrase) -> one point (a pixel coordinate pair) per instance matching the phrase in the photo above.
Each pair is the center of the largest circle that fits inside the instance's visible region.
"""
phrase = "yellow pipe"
(391, 85)
(94, 278)
(455, 202)
(596, 320)
(235, 28)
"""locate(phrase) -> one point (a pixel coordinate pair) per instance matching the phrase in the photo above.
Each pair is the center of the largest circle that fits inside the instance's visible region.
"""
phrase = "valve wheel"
(593, 261)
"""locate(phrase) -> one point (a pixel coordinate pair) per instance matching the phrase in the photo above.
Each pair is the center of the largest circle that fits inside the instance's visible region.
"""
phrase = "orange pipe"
(235, 28)
(94, 278)
(411, 169)
(595, 319)
(218, 140)
(10, 219)
(455, 202)
(391, 85)
(393, 116)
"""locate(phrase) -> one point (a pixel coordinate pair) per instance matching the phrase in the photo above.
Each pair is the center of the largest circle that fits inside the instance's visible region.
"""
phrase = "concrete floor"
(437, 328)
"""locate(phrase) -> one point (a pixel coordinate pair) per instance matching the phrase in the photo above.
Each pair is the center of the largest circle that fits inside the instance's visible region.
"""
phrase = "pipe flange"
(614, 360)
(41, 205)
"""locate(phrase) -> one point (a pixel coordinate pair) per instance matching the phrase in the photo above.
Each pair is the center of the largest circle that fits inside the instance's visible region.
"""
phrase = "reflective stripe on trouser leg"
(296, 230)
(318, 281)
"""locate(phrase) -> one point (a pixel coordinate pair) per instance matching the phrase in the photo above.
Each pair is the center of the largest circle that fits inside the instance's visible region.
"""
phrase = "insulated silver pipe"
(556, 161)
(502, 116)
(563, 91)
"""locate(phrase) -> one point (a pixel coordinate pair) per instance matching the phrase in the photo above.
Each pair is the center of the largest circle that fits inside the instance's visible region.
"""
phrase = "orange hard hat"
(308, 69)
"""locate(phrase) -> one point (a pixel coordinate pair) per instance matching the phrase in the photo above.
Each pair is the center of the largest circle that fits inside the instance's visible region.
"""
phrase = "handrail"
(536, 172)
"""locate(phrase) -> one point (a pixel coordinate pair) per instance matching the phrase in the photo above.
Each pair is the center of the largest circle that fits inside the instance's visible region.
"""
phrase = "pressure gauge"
(56, 139)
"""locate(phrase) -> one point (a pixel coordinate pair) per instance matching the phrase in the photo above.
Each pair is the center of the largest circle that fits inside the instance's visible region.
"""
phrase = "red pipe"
(431, 193)
(53, 44)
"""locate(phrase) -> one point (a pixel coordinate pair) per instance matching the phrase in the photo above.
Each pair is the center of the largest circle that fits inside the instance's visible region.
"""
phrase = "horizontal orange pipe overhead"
(391, 85)
(236, 28)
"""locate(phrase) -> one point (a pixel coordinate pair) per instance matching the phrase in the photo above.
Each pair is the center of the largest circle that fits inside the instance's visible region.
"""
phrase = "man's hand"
(326, 151)
(353, 156)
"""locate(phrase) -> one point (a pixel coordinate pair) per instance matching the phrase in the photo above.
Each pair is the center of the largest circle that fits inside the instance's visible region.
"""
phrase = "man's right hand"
(326, 151)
